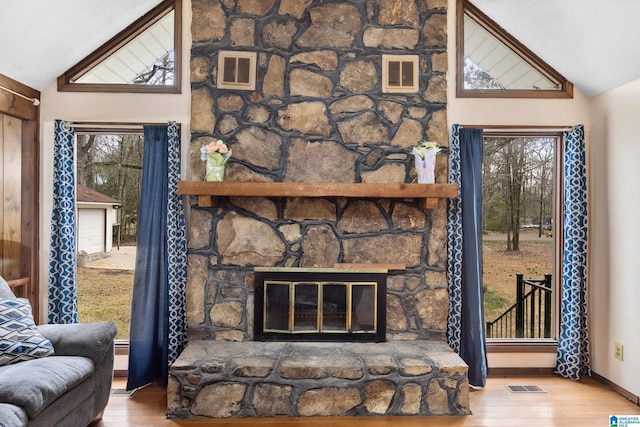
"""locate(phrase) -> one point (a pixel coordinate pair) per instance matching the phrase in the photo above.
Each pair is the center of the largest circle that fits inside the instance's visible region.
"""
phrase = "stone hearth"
(255, 379)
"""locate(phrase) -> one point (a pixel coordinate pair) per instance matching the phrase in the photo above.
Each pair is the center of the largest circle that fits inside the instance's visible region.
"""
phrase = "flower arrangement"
(216, 154)
(424, 146)
(425, 160)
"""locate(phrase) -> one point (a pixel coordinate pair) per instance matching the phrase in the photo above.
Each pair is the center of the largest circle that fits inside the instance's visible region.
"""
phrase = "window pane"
(334, 307)
(518, 186)
(491, 64)
(277, 307)
(148, 59)
(109, 178)
(363, 303)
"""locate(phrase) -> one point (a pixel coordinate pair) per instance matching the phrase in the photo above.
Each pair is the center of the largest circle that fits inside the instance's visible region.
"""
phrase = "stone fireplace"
(317, 115)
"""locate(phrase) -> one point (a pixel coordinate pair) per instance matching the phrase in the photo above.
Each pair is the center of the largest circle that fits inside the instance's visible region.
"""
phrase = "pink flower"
(217, 146)
(216, 152)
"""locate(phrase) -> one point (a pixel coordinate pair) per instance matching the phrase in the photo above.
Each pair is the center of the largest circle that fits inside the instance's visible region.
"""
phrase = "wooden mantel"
(207, 192)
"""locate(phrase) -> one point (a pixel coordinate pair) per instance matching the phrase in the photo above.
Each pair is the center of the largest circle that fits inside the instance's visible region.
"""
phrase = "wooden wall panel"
(1, 194)
(19, 176)
(11, 197)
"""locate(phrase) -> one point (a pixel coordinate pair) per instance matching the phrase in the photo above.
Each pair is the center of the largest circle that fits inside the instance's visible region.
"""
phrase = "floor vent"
(525, 389)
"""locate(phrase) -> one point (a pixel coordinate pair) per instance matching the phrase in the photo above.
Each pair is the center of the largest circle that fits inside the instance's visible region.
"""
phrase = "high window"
(492, 63)
(145, 57)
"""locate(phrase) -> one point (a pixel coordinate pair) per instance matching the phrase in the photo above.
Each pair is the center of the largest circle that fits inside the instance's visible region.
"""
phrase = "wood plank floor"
(585, 403)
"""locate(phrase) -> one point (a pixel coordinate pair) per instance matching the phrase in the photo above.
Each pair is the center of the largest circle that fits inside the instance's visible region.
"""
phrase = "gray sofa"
(69, 388)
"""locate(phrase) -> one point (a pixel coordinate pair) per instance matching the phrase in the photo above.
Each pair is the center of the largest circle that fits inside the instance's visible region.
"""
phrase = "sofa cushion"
(35, 384)
(19, 338)
(12, 416)
(5, 289)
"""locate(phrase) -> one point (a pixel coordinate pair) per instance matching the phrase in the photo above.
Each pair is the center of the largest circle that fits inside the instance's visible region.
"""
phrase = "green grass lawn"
(105, 294)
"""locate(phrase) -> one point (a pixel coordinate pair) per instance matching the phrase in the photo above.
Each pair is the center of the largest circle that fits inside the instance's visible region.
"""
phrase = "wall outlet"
(617, 351)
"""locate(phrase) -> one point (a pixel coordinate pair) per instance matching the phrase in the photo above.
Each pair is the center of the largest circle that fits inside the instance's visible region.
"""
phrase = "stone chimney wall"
(317, 114)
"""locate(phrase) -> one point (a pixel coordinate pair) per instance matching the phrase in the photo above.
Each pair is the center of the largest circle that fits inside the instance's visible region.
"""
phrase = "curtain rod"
(520, 127)
(82, 124)
(34, 101)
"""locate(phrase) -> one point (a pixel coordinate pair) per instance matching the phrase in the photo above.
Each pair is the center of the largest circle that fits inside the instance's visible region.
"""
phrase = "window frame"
(66, 81)
(464, 7)
(539, 345)
(106, 128)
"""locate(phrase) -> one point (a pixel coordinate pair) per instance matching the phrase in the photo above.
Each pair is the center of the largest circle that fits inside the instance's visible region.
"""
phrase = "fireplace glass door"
(320, 307)
(334, 307)
(305, 307)
(309, 309)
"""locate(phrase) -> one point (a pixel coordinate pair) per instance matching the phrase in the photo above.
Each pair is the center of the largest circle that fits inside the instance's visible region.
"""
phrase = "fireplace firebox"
(320, 304)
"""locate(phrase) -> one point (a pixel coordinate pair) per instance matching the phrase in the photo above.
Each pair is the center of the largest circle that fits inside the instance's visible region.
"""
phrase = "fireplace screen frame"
(292, 278)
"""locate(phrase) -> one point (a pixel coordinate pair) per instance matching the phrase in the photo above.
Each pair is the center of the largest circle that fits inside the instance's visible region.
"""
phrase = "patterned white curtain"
(177, 252)
(573, 341)
(63, 301)
(454, 245)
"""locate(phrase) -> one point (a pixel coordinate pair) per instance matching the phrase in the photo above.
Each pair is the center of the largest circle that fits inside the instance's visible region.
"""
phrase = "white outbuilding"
(97, 216)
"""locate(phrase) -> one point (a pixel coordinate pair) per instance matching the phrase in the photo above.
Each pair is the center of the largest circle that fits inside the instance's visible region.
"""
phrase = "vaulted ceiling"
(41, 39)
(593, 43)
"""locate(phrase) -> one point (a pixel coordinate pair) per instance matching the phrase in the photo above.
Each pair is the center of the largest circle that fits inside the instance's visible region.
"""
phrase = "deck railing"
(530, 316)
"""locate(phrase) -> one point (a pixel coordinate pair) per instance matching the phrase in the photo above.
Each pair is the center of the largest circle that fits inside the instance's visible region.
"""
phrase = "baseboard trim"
(120, 373)
(518, 372)
(615, 387)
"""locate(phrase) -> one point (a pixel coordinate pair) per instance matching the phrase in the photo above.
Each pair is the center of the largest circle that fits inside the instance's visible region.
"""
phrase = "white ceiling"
(41, 39)
(593, 43)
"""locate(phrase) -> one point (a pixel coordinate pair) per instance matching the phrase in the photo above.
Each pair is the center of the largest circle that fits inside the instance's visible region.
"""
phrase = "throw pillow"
(19, 338)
